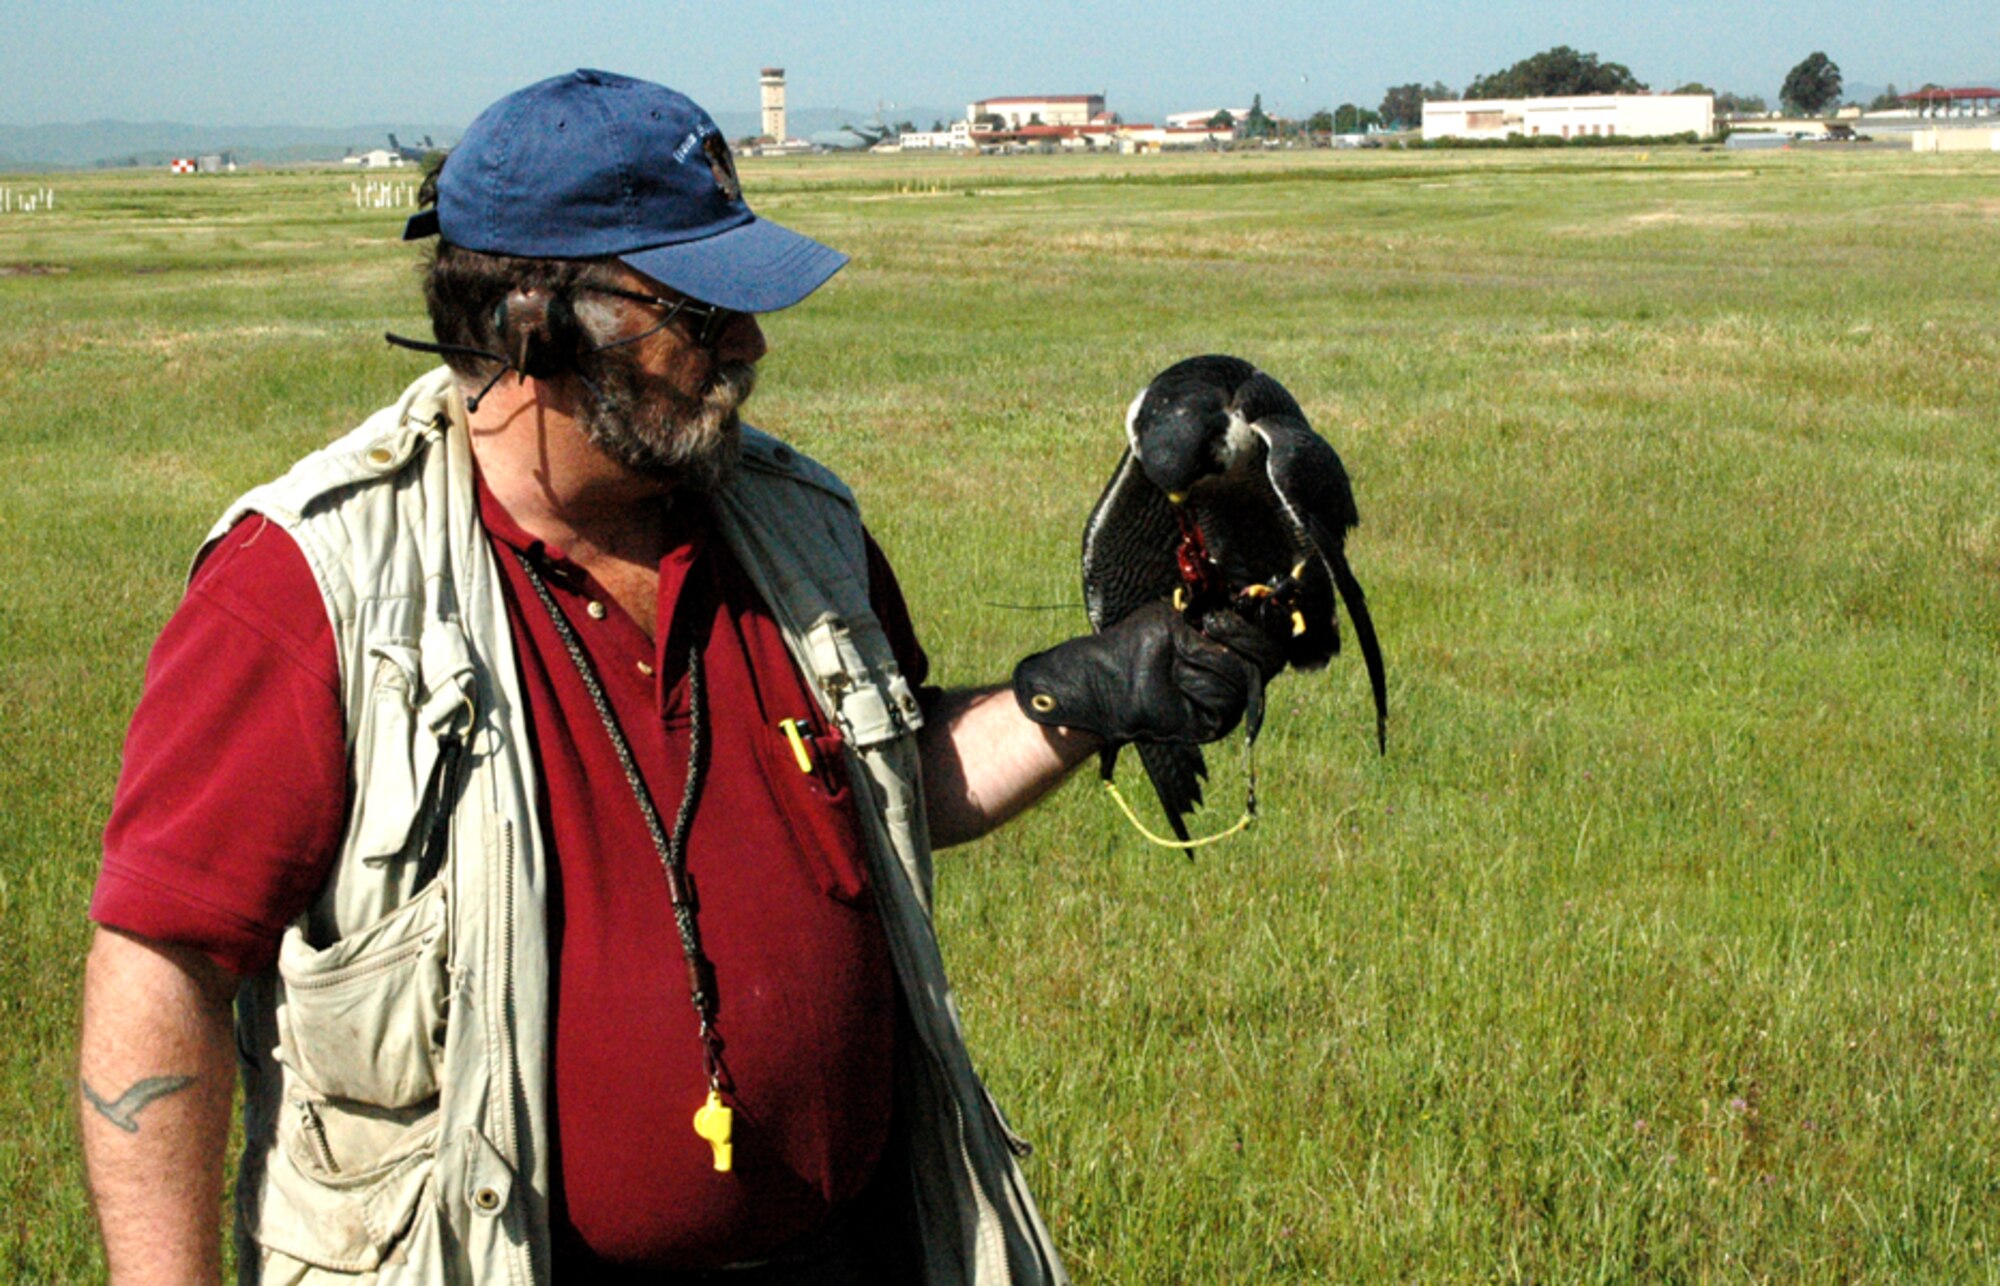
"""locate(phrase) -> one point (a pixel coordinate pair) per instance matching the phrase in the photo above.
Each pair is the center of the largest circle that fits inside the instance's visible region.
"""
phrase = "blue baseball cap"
(594, 164)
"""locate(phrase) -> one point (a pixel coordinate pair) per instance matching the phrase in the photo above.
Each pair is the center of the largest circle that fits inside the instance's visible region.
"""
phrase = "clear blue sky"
(284, 62)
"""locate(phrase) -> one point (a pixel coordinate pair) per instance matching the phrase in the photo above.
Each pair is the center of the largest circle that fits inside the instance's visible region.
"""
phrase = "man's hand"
(155, 1075)
(1152, 677)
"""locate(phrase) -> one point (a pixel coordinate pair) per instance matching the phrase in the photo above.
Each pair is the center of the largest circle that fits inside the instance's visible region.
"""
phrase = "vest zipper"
(315, 1132)
(511, 1096)
(988, 1231)
(508, 1118)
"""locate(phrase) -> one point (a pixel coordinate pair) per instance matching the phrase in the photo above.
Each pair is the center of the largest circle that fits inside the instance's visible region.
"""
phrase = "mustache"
(729, 386)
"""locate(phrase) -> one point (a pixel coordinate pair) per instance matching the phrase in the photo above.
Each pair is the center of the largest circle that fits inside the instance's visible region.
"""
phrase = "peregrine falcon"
(1226, 501)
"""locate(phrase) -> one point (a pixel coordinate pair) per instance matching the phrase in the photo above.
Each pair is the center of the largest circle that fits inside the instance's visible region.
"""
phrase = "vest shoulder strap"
(377, 448)
(797, 531)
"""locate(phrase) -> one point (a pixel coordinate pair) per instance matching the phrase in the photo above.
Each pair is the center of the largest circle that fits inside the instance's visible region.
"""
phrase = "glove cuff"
(1038, 692)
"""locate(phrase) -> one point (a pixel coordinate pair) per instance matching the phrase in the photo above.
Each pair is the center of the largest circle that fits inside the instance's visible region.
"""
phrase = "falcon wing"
(1128, 546)
(1311, 484)
(1128, 561)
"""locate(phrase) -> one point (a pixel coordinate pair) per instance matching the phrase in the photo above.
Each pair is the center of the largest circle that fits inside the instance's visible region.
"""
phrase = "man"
(545, 774)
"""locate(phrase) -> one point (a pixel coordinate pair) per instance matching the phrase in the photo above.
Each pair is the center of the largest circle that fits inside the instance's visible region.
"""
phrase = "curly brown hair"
(463, 289)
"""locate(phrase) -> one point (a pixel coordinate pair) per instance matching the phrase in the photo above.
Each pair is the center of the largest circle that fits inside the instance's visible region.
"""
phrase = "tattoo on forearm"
(121, 1111)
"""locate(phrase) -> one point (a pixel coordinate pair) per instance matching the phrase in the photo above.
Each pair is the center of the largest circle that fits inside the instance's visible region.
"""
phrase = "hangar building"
(1054, 109)
(1593, 115)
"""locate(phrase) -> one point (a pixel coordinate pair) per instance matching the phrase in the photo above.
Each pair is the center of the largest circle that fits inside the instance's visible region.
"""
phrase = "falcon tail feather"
(1371, 651)
(1335, 556)
(1176, 773)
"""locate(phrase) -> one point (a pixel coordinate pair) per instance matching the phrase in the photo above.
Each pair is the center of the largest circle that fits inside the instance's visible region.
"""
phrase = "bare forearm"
(155, 1074)
(985, 762)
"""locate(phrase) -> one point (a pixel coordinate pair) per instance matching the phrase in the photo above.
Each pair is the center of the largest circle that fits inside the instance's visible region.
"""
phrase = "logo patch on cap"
(723, 166)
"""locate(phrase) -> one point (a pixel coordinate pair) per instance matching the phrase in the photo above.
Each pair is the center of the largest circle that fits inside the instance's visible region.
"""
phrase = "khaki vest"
(395, 1058)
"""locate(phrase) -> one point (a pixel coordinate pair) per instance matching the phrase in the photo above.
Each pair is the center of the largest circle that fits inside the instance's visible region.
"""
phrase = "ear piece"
(538, 332)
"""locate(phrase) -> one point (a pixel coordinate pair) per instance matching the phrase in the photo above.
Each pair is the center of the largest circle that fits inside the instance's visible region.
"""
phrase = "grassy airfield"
(1664, 944)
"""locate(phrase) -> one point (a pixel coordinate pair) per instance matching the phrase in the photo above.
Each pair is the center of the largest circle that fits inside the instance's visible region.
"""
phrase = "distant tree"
(1694, 87)
(1812, 86)
(1320, 122)
(1439, 92)
(1349, 119)
(905, 127)
(1223, 119)
(1557, 73)
(987, 121)
(1035, 118)
(1403, 106)
(937, 125)
(1740, 104)
(1256, 124)
(1886, 101)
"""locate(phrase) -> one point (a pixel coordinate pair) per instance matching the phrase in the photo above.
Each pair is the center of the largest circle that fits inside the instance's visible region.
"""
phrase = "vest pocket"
(363, 1020)
(387, 748)
(360, 1036)
(321, 1204)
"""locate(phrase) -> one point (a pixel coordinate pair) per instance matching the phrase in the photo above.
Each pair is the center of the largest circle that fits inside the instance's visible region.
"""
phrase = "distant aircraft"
(850, 138)
(414, 155)
(856, 138)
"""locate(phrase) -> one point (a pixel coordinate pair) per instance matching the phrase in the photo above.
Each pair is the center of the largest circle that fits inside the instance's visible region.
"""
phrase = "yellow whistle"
(713, 1122)
(790, 728)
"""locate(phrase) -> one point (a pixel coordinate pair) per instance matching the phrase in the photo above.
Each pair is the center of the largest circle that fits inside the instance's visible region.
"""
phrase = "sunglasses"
(706, 321)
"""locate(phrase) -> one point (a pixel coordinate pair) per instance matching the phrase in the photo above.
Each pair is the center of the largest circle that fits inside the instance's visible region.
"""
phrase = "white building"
(1055, 109)
(1961, 139)
(380, 158)
(956, 139)
(1587, 116)
(1192, 120)
(1166, 138)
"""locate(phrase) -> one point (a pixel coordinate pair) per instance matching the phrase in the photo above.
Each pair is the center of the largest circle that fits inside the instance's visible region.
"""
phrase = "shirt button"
(596, 610)
(646, 669)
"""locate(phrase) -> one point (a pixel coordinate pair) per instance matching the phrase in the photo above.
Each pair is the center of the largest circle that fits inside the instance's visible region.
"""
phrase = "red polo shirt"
(234, 790)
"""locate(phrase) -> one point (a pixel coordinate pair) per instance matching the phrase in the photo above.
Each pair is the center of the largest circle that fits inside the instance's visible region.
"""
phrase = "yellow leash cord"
(1242, 823)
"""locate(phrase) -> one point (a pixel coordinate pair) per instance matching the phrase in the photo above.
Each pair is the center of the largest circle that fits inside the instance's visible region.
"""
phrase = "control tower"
(772, 82)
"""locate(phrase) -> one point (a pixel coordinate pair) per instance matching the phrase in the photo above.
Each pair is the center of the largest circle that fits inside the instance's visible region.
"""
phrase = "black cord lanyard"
(712, 1122)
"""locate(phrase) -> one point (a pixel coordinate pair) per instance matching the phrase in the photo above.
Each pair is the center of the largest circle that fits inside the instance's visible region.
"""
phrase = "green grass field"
(1662, 944)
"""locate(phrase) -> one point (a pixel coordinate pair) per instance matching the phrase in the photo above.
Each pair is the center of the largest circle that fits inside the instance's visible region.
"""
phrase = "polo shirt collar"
(687, 515)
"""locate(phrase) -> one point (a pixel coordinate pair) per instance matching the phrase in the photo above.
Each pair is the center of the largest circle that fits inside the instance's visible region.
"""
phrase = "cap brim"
(755, 267)
(424, 223)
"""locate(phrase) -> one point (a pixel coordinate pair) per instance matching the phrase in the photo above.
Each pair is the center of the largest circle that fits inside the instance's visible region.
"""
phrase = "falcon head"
(1179, 424)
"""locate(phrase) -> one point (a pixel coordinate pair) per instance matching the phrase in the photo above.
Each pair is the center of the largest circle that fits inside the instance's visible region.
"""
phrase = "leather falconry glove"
(1151, 678)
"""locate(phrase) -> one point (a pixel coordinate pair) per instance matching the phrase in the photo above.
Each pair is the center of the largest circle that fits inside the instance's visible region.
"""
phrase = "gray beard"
(657, 433)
